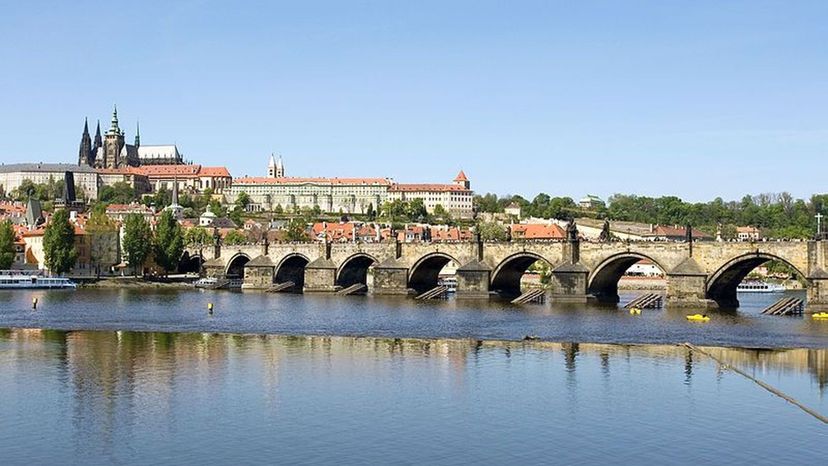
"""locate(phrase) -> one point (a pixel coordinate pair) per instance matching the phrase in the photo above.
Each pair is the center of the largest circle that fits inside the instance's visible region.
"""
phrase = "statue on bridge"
(605, 235)
(571, 230)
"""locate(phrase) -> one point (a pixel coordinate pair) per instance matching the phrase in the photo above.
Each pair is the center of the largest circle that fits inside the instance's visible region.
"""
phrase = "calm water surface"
(164, 398)
(185, 311)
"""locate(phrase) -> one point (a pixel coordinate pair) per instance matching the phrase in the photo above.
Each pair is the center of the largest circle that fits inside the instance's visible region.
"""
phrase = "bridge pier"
(388, 278)
(320, 276)
(258, 274)
(569, 284)
(817, 292)
(687, 286)
(473, 280)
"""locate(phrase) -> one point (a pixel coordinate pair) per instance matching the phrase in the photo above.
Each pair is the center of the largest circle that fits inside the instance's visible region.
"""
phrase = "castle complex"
(112, 151)
(349, 195)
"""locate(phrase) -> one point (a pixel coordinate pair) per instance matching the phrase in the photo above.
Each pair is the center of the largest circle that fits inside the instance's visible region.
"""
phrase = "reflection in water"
(127, 390)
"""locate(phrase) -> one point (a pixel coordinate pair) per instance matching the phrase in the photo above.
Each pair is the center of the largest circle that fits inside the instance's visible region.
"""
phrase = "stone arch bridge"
(697, 274)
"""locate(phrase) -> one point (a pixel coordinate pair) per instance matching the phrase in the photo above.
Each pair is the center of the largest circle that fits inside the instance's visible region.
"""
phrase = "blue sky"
(695, 99)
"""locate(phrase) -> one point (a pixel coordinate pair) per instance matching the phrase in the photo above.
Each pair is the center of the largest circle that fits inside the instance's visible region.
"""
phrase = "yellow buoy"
(210, 308)
(820, 315)
(34, 303)
(698, 318)
(635, 311)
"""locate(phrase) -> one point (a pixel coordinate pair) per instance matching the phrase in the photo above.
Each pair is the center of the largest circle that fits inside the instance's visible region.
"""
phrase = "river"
(160, 383)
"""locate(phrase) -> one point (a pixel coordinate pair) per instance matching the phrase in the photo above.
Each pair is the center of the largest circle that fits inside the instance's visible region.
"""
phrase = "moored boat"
(759, 287)
(14, 281)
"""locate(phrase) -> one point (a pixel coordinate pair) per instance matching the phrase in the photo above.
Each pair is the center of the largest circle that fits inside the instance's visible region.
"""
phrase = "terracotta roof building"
(455, 198)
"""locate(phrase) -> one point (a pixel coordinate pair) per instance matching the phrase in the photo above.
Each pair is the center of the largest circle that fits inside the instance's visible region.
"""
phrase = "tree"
(242, 200)
(296, 230)
(103, 238)
(6, 244)
(59, 243)
(117, 193)
(441, 213)
(490, 231)
(370, 212)
(169, 242)
(197, 236)
(234, 237)
(137, 241)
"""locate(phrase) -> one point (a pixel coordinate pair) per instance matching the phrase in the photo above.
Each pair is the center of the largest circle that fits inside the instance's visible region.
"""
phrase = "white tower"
(271, 167)
(280, 168)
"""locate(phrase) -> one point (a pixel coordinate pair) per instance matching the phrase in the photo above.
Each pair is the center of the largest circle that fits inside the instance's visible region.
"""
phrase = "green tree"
(296, 230)
(235, 237)
(243, 200)
(103, 238)
(137, 241)
(491, 231)
(169, 242)
(197, 236)
(370, 212)
(117, 193)
(6, 244)
(59, 243)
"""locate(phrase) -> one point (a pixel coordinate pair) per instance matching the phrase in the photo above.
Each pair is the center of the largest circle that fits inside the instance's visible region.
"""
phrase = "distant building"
(119, 212)
(132, 176)
(748, 234)
(536, 231)
(457, 198)
(591, 202)
(644, 268)
(111, 150)
(513, 210)
(13, 175)
(192, 178)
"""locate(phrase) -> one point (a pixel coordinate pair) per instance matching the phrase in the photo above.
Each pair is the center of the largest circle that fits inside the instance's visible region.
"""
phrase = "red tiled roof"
(215, 172)
(120, 171)
(427, 187)
(461, 176)
(292, 180)
(182, 171)
(538, 231)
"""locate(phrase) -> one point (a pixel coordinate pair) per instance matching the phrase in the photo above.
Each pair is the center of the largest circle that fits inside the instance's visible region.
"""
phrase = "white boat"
(759, 287)
(20, 281)
(205, 283)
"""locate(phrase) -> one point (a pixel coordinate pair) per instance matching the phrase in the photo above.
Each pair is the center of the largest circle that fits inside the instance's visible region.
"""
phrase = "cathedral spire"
(85, 150)
(113, 125)
(98, 139)
(137, 134)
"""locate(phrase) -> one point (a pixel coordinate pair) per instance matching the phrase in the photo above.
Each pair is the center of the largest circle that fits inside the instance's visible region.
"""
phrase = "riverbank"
(133, 283)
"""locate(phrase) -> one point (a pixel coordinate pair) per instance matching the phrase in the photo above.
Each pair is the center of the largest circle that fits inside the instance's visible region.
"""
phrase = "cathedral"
(112, 151)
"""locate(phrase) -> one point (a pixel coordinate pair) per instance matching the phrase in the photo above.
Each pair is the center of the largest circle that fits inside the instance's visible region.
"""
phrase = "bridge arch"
(354, 270)
(722, 285)
(235, 266)
(424, 274)
(506, 277)
(292, 269)
(603, 281)
(190, 263)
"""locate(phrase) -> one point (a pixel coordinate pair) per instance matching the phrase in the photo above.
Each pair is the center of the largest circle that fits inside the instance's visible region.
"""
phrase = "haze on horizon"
(698, 100)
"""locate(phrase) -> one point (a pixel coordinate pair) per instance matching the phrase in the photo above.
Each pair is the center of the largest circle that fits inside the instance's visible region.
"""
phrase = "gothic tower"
(98, 139)
(85, 154)
(137, 135)
(280, 168)
(113, 143)
(271, 167)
